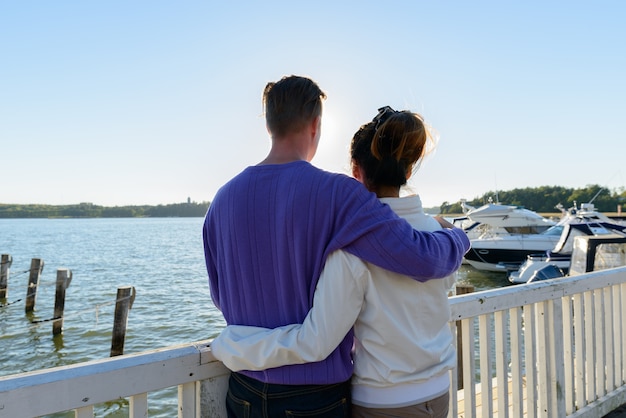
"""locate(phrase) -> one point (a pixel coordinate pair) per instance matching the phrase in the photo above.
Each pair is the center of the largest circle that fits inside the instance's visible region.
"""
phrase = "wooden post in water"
(64, 278)
(36, 268)
(124, 302)
(4, 274)
(461, 289)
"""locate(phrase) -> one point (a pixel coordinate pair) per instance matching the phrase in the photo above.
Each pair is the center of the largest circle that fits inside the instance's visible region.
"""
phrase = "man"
(267, 235)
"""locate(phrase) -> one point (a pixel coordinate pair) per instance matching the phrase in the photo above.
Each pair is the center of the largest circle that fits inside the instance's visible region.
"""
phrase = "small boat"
(589, 253)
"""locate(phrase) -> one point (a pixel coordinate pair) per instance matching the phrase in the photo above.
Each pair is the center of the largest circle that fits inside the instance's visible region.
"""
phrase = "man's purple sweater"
(268, 232)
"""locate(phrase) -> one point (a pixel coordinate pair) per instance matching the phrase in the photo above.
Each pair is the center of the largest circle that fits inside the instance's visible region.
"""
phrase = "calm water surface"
(161, 257)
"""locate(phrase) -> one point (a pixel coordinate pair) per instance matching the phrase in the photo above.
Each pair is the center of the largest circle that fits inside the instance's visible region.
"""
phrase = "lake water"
(161, 257)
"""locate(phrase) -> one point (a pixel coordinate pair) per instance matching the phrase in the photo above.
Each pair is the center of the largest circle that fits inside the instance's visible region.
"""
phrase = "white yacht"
(504, 234)
(506, 253)
(494, 219)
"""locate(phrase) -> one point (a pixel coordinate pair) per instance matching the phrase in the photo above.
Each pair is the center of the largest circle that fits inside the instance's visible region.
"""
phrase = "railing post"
(64, 277)
(4, 274)
(124, 302)
(36, 268)
(461, 289)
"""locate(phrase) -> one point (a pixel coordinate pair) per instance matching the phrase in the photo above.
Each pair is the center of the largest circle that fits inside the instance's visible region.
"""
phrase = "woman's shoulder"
(410, 208)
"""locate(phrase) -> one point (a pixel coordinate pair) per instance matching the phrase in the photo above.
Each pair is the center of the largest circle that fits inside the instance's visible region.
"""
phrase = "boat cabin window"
(530, 229)
(556, 230)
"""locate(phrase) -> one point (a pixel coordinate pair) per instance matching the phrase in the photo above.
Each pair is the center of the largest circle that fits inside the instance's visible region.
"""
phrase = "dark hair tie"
(384, 113)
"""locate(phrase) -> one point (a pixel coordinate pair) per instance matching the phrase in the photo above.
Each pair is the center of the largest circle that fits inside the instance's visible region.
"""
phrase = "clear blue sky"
(148, 102)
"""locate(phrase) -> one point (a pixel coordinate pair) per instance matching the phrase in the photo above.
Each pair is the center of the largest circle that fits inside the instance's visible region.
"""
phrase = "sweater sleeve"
(209, 258)
(371, 231)
(337, 302)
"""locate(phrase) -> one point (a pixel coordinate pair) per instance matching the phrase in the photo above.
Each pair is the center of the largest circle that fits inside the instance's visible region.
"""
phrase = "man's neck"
(288, 149)
(279, 160)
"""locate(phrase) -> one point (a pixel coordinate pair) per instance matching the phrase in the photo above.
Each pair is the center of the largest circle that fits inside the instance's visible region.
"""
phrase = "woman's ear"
(357, 173)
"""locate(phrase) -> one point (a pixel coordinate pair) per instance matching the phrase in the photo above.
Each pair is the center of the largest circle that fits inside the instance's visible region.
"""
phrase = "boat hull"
(508, 254)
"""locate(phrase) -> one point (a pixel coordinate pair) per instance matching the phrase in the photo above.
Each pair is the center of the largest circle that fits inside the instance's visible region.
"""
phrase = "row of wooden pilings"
(123, 302)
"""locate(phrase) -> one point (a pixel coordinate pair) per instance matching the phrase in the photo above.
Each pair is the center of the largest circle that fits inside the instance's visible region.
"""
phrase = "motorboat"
(589, 253)
(502, 235)
(586, 221)
(494, 219)
(560, 258)
(502, 253)
(506, 253)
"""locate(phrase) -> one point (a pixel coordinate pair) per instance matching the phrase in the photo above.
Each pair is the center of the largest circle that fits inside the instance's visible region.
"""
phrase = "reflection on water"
(481, 280)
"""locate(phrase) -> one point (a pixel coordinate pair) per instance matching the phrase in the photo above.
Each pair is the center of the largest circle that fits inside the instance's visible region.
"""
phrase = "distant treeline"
(539, 199)
(544, 199)
(89, 210)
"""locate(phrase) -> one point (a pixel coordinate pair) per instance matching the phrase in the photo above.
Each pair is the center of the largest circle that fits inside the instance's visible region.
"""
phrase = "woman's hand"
(443, 222)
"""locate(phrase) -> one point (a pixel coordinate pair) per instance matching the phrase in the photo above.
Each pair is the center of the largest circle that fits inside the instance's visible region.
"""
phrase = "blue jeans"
(249, 397)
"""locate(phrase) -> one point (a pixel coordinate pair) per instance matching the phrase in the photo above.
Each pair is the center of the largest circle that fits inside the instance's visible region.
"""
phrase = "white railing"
(570, 331)
(201, 382)
(547, 349)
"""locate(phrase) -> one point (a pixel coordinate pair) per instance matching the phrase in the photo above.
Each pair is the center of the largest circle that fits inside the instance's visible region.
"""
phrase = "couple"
(278, 227)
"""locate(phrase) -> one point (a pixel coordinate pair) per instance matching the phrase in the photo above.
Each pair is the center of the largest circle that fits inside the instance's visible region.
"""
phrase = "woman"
(403, 343)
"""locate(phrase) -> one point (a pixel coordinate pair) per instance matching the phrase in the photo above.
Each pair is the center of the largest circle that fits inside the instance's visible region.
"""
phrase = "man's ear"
(316, 126)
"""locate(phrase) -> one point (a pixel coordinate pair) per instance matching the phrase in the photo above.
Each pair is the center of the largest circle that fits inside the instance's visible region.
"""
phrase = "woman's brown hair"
(389, 147)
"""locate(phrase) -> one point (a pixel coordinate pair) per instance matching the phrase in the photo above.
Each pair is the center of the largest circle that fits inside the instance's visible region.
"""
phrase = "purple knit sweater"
(266, 237)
